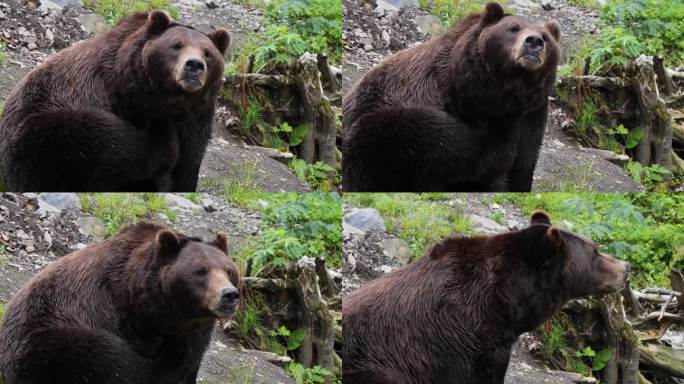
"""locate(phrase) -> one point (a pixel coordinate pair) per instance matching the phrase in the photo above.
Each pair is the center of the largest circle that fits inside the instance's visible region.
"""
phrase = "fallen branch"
(661, 291)
(664, 306)
(657, 315)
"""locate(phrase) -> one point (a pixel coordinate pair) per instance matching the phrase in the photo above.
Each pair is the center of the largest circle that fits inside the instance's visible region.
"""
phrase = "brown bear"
(453, 316)
(465, 111)
(131, 109)
(138, 308)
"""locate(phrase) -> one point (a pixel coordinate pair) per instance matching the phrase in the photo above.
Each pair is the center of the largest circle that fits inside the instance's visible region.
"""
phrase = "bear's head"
(510, 44)
(585, 270)
(197, 277)
(177, 58)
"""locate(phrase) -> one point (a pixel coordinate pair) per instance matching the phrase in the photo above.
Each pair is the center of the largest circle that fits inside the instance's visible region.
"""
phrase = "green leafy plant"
(652, 176)
(303, 375)
(498, 217)
(316, 175)
(318, 23)
(284, 340)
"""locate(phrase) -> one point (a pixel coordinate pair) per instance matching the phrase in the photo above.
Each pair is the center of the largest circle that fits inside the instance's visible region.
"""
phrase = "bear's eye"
(207, 54)
(200, 272)
(515, 29)
(545, 37)
(177, 46)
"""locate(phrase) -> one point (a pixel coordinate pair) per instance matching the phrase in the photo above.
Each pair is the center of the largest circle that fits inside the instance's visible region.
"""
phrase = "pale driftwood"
(651, 297)
(656, 315)
(664, 306)
(676, 278)
(270, 285)
(661, 358)
(661, 291)
(263, 80)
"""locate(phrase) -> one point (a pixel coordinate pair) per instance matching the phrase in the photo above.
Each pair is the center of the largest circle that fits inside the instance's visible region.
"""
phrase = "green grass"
(243, 374)
(498, 217)
(242, 181)
(116, 210)
(419, 219)
(577, 178)
(2, 311)
(450, 11)
(194, 197)
(114, 10)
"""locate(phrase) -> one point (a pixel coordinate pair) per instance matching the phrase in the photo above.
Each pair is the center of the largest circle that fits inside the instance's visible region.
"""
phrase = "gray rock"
(528, 4)
(211, 4)
(401, 4)
(547, 5)
(92, 226)
(93, 24)
(429, 25)
(59, 200)
(362, 220)
(484, 225)
(178, 201)
(397, 249)
(384, 7)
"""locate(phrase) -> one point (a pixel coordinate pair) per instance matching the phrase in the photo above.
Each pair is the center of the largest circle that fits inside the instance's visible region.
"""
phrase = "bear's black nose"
(534, 43)
(230, 295)
(194, 67)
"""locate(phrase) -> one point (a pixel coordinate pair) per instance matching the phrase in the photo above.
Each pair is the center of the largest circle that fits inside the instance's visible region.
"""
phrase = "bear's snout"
(230, 297)
(615, 273)
(533, 44)
(194, 67)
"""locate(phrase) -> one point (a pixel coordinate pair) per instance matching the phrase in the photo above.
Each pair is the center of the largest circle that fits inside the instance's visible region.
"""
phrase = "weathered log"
(260, 79)
(677, 163)
(623, 364)
(641, 379)
(631, 303)
(331, 77)
(315, 318)
(270, 285)
(319, 142)
(676, 278)
(659, 357)
(665, 83)
(650, 297)
(678, 131)
(607, 83)
(656, 143)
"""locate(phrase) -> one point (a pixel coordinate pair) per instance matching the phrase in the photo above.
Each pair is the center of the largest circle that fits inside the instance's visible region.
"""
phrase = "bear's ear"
(554, 28)
(555, 237)
(157, 22)
(221, 39)
(221, 241)
(492, 13)
(540, 217)
(166, 242)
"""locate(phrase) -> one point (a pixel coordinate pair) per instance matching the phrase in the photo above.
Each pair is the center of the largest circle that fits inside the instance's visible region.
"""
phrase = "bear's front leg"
(193, 139)
(531, 128)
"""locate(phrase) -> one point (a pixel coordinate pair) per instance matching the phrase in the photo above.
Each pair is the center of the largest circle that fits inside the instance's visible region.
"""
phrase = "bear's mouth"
(225, 312)
(191, 84)
(530, 61)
